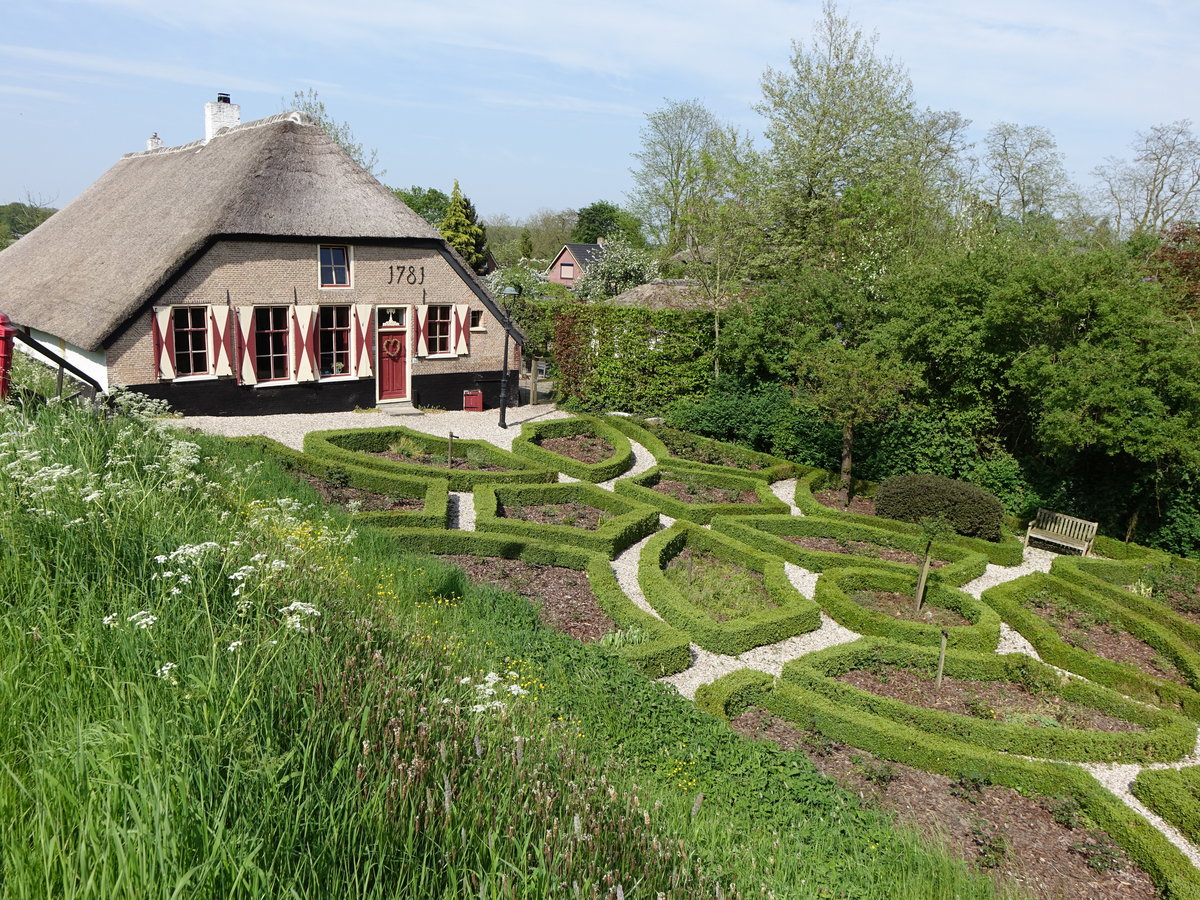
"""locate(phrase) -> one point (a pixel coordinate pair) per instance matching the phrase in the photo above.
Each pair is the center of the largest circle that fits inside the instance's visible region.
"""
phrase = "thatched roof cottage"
(258, 270)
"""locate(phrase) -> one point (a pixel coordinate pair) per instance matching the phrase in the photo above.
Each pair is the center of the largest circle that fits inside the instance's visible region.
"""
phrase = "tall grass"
(210, 689)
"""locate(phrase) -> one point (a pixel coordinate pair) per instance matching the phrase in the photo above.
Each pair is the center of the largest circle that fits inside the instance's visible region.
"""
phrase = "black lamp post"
(510, 294)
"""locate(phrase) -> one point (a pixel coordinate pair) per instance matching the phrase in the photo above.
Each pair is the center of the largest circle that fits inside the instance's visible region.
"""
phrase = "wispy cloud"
(37, 93)
(559, 103)
(108, 65)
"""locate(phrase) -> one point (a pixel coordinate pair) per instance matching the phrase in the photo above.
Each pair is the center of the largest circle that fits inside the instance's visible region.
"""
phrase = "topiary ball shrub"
(968, 508)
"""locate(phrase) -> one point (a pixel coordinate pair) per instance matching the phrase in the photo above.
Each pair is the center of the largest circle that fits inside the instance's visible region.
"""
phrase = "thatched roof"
(100, 259)
(663, 293)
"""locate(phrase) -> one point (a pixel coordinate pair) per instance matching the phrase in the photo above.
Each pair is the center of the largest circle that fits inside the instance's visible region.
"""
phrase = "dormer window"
(335, 266)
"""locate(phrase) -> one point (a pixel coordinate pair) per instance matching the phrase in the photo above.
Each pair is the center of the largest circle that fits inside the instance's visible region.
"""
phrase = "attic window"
(335, 266)
(566, 271)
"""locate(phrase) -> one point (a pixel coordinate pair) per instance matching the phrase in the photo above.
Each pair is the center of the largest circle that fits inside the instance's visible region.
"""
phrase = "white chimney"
(154, 143)
(221, 114)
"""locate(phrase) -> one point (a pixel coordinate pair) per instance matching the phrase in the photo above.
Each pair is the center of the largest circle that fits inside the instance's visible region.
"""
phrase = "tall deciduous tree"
(428, 203)
(460, 228)
(308, 101)
(841, 118)
(1024, 171)
(607, 220)
(855, 386)
(1159, 187)
(671, 176)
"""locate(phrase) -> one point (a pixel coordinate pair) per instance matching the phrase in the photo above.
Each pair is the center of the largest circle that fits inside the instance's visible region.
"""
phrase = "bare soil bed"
(1025, 844)
(575, 515)
(563, 597)
(587, 448)
(1105, 639)
(1000, 701)
(343, 496)
(900, 606)
(439, 462)
(864, 506)
(703, 493)
(862, 548)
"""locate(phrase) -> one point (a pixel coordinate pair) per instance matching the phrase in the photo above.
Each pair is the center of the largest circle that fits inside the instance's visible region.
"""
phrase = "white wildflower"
(110, 620)
(166, 672)
(143, 619)
(232, 647)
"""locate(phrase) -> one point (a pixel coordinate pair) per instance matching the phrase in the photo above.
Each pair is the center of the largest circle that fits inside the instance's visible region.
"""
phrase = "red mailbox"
(473, 401)
(7, 331)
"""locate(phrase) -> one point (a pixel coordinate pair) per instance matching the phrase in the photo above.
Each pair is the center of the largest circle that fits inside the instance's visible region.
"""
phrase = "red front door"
(393, 361)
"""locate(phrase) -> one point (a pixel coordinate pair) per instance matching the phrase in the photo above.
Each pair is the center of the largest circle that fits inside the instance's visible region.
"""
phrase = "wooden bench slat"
(1059, 528)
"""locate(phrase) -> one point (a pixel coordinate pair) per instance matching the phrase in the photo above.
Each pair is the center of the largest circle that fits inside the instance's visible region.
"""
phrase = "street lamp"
(510, 294)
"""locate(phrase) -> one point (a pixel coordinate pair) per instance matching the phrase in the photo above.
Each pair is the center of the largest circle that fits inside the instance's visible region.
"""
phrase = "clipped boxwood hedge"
(356, 446)
(678, 447)
(792, 615)
(833, 596)
(630, 523)
(434, 491)
(528, 444)
(1007, 552)
(1172, 873)
(1165, 737)
(1175, 795)
(1009, 601)
(768, 533)
(664, 652)
(638, 488)
(1108, 578)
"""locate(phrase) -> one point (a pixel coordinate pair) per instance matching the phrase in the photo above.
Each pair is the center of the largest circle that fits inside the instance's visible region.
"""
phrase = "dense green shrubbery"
(969, 509)
(1161, 736)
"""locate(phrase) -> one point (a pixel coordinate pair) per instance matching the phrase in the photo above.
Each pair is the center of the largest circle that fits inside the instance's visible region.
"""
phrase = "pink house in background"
(572, 263)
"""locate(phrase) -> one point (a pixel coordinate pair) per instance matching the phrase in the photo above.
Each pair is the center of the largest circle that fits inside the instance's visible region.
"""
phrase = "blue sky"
(535, 104)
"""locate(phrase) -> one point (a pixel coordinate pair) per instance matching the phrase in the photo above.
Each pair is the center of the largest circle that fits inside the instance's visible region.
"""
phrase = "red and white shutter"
(421, 329)
(462, 329)
(246, 358)
(221, 339)
(304, 339)
(164, 341)
(361, 330)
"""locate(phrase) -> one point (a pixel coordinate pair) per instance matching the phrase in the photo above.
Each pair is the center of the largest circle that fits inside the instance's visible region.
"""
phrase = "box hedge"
(630, 521)
(433, 491)
(357, 447)
(1173, 794)
(833, 595)
(1010, 601)
(1164, 736)
(1009, 551)
(792, 615)
(769, 533)
(529, 445)
(1172, 873)
(639, 488)
(665, 650)
(969, 509)
(692, 451)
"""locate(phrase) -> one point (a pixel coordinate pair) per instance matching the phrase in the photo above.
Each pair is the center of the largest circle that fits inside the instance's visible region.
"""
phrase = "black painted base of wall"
(225, 397)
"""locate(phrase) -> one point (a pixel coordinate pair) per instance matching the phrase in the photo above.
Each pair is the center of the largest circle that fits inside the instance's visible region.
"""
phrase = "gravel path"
(1011, 641)
(786, 491)
(462, 510)
(643, 460)
(1035, 561)
(289, 429)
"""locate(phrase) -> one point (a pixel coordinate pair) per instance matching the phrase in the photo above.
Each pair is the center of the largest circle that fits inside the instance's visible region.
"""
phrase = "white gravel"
(462, 510)
(643, 460)
(1035, 561)
(1011, 641)
(290, 428)
(786, 491)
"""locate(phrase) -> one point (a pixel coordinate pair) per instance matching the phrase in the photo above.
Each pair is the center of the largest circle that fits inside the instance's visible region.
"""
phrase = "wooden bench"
(1066, 531)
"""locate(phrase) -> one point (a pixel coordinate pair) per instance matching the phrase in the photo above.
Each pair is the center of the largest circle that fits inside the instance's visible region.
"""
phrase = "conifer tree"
(462, 230)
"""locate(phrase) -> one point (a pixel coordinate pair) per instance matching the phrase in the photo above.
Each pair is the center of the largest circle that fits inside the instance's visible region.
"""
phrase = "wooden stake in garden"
(941, 660)
(933, 529)
(450, 450)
